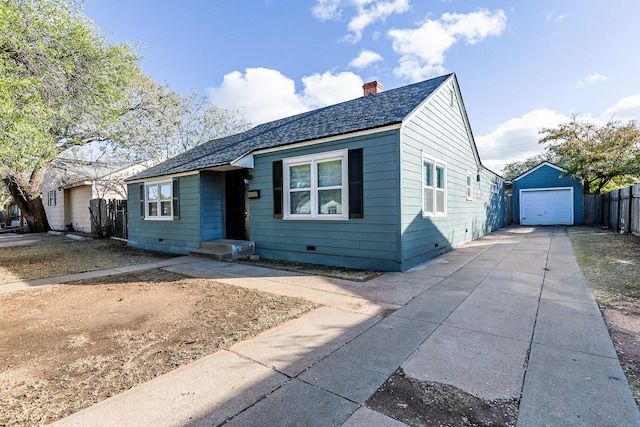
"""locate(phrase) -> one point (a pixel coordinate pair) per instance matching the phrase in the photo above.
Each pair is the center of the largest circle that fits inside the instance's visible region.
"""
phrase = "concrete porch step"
(225, 249)
(212, 254)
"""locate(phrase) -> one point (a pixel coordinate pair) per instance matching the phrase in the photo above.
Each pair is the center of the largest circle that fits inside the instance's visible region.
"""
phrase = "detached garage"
(544, 196)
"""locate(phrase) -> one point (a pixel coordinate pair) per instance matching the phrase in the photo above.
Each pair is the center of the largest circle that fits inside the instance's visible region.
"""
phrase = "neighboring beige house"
(70, 185)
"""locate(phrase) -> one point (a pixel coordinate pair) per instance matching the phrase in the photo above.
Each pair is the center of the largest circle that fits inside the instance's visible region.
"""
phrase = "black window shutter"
(277, 189)
(176, 198)
(142, 201)
(356, 193)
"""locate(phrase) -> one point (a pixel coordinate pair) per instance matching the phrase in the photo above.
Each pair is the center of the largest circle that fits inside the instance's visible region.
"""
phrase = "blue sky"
(521, 65)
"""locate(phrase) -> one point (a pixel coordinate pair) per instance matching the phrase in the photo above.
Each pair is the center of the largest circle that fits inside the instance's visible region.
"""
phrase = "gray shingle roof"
(385, 108)
(68, 171)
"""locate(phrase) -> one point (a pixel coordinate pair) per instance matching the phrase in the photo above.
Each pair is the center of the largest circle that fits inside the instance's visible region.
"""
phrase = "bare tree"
(167, 123)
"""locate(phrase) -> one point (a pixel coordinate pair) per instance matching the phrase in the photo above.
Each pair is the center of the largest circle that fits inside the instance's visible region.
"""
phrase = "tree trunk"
(30, 203)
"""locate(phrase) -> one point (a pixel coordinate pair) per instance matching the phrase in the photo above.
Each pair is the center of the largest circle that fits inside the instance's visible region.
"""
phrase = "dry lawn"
(316, 269)
(55, 256)
(611, 265)
(66, 347)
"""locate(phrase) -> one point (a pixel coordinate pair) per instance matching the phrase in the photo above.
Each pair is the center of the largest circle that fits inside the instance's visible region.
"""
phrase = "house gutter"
(356, 134)
(76, 184)
(161, 177)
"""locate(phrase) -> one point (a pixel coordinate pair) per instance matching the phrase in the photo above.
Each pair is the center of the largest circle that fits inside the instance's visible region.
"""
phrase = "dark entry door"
(236, 210)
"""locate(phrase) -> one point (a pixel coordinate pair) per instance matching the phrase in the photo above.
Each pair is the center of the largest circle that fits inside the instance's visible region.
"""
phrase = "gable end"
(549, 164)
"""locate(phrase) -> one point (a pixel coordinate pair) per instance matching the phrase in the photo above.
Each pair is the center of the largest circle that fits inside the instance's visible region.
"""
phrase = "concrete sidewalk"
(506, 316)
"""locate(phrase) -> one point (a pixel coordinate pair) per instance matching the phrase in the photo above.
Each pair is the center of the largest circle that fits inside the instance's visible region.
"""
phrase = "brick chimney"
(372, 88)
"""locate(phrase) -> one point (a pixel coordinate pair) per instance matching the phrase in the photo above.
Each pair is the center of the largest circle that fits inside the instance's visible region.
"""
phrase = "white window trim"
(469, 185)
(314, 160)
(436, 162)
(146, 201)
(52, 192)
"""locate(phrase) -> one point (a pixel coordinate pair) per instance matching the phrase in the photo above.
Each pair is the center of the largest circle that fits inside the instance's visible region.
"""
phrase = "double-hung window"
(158, 200)
(434, 187)
(52, 197)
(316, 186)
(469, 185)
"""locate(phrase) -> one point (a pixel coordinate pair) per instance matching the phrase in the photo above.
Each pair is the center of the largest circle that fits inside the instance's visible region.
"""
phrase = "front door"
(236, 210)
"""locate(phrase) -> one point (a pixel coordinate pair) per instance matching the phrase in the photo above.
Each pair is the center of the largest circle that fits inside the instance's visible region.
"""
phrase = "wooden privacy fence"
(617, 210)
(117, 210)
(109, 213)
(508, 210)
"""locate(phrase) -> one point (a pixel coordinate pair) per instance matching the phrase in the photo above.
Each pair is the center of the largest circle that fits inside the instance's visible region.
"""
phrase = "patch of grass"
(611, 265)
(56, 257)
(351, 274)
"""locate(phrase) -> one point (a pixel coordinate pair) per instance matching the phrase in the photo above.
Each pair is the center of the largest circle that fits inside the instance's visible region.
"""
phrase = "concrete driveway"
(8, 240)
(505, 316)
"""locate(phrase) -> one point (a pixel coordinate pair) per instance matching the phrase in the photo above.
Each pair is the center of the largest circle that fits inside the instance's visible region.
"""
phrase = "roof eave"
(353, 134)
(76, 184)
(538, 166)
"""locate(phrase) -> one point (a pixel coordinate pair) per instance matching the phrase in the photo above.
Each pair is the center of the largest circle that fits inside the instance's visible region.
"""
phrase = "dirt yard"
(418, 403)
(66, 347)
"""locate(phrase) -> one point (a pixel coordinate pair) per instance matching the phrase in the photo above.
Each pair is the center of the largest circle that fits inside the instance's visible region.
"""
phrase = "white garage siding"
(79, 215)
(546, 206)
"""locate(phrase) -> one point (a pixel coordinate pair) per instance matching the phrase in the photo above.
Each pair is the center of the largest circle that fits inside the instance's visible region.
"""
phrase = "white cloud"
(591, 79)
(326, 9)
(365, 58)
(260, 93)
(263, 94)
(475, 26)
(626, 109)
(378, 10)
(422, 49)
(517, 139)
(325, 89)
(366, 13)
(552, 17)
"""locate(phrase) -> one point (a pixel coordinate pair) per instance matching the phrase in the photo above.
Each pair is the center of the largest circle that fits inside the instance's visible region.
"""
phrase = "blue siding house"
(385, 182)
(546, 195)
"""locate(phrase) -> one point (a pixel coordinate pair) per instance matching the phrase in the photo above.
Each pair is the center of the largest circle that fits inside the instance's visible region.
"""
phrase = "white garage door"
(546, 207)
